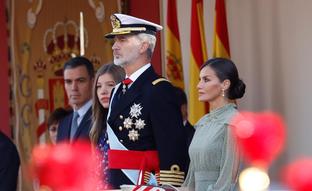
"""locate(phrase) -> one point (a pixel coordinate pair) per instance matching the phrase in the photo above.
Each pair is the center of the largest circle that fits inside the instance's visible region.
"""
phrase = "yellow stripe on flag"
(197, 109)
(219, 49)
(198, 57)
(174, 69)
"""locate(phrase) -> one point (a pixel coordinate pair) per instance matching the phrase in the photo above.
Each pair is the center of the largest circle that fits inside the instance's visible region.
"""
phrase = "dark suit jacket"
(63, 133)
(9, 164)
(190, 130)
(163, 130)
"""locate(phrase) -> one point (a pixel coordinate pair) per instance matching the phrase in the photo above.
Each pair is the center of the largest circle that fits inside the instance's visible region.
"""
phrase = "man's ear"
(144, 47)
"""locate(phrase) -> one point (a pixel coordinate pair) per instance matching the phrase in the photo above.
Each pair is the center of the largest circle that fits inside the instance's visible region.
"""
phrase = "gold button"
(120, 128)
(121, 140)
(107, 142)
(120, 117)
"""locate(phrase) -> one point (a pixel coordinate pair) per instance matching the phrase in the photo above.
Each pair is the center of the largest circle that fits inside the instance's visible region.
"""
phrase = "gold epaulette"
(173, 176)
(159, 80)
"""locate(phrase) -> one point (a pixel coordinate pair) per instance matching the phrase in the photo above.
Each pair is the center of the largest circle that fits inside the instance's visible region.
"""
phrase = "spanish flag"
(174, 68)
(221, 47)
(198, 57)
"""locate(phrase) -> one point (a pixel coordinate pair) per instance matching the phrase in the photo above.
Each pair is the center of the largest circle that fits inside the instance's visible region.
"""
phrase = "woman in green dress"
(213, 152)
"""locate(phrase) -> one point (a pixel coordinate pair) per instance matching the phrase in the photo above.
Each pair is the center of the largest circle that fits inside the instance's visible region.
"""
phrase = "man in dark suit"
(145, 129)
(182, 101)
(9, 164)
(78, 79)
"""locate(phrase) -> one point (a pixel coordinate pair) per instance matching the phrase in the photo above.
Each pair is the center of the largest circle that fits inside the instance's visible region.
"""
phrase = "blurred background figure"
(213, 152)
(53, 122)
(9, 164)
(106, 78)
(182, 101)
(55, 167)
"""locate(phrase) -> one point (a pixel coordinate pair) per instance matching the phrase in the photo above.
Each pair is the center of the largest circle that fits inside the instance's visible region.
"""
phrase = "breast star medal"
(139, 124)
(135, 110)
(127, 123)
(134, 125)
(133, 135)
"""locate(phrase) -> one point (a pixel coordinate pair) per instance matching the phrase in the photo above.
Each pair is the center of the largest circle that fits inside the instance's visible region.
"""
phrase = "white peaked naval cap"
(126, 24)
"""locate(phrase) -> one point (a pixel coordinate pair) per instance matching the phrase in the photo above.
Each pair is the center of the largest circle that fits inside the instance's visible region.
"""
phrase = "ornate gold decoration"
(96, 61)
(99, 9)
(40, 66)
(61, 42)
(58, 92)
(32, 14)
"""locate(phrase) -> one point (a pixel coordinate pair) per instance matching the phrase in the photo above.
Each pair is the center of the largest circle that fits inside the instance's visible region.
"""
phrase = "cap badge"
(115, 22)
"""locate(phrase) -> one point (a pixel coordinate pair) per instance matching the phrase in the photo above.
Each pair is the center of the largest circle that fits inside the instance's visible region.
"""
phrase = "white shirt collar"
(83, 110)
(137, 73)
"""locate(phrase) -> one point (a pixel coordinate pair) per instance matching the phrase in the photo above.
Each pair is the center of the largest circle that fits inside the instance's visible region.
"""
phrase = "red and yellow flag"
(174, 68)
(198, 57)
(221, 47)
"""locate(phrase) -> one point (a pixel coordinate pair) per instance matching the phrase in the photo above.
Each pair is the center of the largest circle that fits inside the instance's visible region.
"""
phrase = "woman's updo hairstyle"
(226, 69)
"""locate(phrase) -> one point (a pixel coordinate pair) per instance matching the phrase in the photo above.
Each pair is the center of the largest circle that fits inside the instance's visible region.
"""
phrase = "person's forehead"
(77, 71)
(207, 71)
(106, 77)
(127, 36)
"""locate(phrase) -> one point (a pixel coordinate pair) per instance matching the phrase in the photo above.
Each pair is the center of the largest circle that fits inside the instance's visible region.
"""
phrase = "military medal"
(125, 84)
(135, 110)
(134, 125)
(124, 89)
(139, 124)
(127, 123)
(133, 135)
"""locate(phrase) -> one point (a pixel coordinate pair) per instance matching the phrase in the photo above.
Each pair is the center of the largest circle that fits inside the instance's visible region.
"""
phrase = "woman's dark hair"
(57, 115)
(226, 69)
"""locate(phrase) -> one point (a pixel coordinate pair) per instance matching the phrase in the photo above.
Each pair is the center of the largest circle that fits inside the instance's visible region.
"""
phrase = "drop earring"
(223, 94)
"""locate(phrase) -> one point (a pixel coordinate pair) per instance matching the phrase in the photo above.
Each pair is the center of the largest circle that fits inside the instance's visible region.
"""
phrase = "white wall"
(270, 42)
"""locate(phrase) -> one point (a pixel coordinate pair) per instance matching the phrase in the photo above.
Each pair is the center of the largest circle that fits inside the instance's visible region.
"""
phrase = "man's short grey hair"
(151, 40)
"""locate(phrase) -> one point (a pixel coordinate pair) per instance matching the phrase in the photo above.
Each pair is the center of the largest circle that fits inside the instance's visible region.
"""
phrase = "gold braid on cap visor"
(128, 30)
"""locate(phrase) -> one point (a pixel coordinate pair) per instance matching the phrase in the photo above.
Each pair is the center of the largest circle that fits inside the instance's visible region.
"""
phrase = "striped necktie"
(74, 125)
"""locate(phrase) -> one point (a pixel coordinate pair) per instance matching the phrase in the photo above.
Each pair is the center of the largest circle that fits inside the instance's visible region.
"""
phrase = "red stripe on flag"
(172, 21)
(196, 37)
(221, 24)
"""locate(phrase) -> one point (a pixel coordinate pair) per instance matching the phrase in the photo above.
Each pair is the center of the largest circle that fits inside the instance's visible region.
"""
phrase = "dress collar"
(217, 112)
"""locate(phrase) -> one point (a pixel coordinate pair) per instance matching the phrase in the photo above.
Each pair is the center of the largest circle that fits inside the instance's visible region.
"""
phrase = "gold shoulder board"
(173, 176)
(159, 80)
